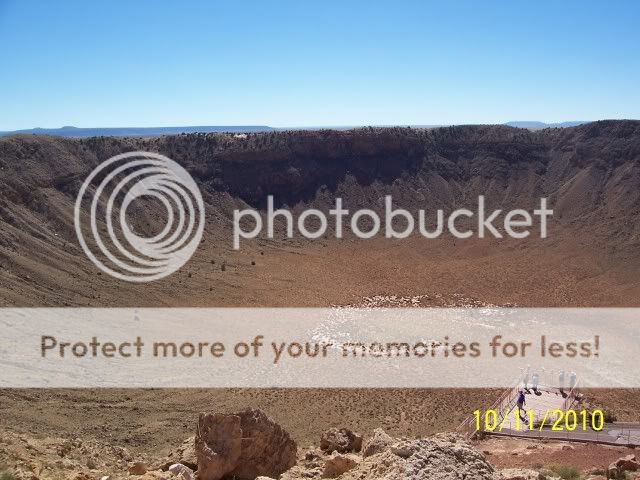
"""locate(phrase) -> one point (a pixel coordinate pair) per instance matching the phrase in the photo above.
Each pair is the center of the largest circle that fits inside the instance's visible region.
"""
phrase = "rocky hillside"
(590, 173)
(251, 446)
(587, 169)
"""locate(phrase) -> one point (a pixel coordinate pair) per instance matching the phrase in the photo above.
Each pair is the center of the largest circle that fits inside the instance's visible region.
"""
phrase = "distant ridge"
(535, 125)
(75, 132)
(136, 131)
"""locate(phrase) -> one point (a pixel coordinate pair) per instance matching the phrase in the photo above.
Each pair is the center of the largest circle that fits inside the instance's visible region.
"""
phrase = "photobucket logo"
(124, 179)
(516, 223)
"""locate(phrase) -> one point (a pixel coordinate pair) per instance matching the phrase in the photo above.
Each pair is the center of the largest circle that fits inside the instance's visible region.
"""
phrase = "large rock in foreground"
(218, 445)
(245, 445)
(443, 457)
(267, 449)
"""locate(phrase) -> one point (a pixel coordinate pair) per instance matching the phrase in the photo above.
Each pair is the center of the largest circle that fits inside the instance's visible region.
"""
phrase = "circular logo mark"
(111, 188)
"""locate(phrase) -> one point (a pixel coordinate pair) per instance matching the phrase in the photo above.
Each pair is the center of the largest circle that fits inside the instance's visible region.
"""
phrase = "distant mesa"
(535, 125)
(71, 131)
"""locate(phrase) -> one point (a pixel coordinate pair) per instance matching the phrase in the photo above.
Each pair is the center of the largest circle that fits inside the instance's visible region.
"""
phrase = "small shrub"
(566, 472)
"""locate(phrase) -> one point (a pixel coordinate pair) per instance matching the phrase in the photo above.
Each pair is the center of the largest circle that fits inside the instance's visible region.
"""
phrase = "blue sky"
(299, 63)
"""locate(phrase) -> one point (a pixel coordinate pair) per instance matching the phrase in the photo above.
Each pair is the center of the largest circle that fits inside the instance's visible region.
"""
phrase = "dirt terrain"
(517, 453)
(590, 173)
(159, 420)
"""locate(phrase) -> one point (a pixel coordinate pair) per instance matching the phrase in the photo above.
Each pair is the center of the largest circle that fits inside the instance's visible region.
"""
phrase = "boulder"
(78, 476)
(245, 445)
(123, 453)
(218, 445)
(596, 472)
(157, 475)
(340, 440)
(303, 471)
(184, 454)
(403, 449)
(624, 464)
(312, 455)
(612, 471)
(549, 474)
(182, 472)
(267, 449)
(521, 474)
(628, 463)
(339, 463)
(377, 443)
(137, 468)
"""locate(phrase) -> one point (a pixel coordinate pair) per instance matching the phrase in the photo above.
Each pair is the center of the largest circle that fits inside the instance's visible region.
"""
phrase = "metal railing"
(505, 403)
(468, 425)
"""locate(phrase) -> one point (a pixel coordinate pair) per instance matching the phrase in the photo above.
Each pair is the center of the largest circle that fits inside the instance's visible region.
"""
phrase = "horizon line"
(309, 126)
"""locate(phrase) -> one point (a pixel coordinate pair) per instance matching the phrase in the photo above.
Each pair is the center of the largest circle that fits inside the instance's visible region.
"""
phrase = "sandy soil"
(513, 453)
(538, 274)
(145, 420)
